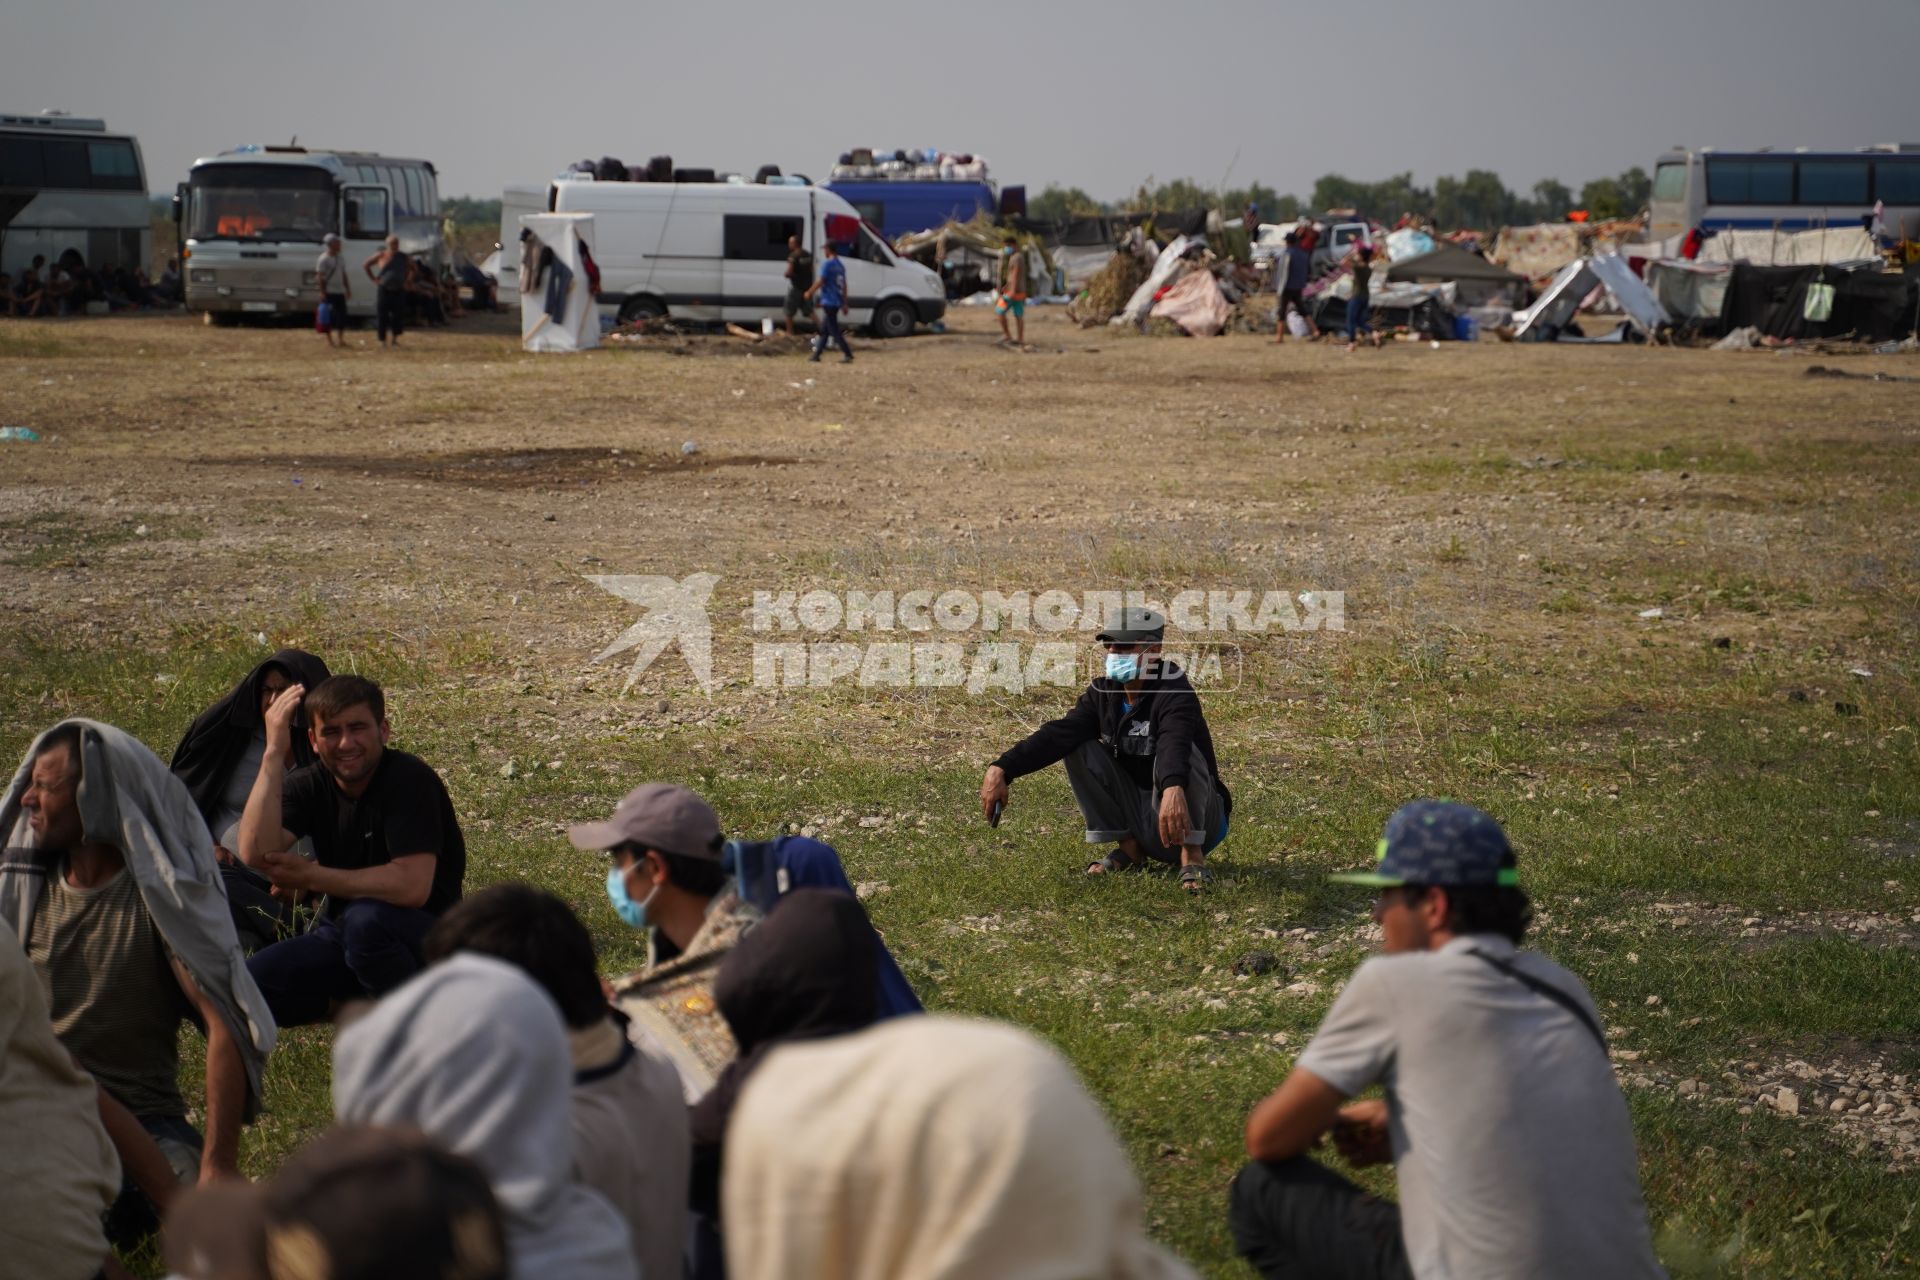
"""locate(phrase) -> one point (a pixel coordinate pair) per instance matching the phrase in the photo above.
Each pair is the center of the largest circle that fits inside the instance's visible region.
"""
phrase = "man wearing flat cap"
(668, 877)
(1138, 757)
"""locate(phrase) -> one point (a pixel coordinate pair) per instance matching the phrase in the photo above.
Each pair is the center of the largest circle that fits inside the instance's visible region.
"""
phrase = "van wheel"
(634, 310)
(892, 319)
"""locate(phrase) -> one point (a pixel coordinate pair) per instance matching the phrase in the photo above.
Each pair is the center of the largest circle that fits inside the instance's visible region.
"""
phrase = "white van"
(709, 251)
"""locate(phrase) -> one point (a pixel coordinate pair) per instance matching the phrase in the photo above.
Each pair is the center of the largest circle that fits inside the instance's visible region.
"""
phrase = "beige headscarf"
(929, 1148)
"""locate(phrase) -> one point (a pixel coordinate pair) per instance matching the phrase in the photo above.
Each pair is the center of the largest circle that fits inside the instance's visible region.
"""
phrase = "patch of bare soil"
(511, 469)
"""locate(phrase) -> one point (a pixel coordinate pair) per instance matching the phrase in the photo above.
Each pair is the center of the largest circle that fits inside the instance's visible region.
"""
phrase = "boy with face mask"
(1138, 756)
(668, 878)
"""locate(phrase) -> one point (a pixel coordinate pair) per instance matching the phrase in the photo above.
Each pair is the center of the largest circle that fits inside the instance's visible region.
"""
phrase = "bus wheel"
(892, 319)
(642, 307)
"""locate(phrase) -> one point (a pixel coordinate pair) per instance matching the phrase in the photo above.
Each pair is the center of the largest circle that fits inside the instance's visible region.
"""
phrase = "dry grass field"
(1717, 806)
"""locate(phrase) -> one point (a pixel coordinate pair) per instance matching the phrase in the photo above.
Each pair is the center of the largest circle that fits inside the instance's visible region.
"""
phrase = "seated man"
(668, 878)
(113, 877)
(389, 856)
(1509, 1137)
(630, 1123)
(1138, 755)
(29, 295)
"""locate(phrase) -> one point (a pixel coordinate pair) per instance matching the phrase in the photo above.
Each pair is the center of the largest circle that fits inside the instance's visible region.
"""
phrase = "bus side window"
(366, 213)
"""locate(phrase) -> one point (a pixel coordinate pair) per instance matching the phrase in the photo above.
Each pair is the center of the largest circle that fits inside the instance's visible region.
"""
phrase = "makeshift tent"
(557, 309)
(1575, 282)
(1693, 293)
(1424, 310)
(1872, 306)
(1476, 280)
(1537, 252)
(1195, 303)
(1171, 260)
(1791, 248)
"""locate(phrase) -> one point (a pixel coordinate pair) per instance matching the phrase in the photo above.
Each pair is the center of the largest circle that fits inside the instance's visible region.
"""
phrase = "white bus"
(252, 220)
(67, 183)
(717, 251)
(1785, 190)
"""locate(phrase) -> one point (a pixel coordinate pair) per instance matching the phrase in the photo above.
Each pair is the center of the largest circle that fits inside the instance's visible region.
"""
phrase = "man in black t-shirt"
(799, 280)
(388, 854)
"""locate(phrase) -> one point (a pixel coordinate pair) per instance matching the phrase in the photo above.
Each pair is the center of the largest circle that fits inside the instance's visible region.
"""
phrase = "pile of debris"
(967, 256)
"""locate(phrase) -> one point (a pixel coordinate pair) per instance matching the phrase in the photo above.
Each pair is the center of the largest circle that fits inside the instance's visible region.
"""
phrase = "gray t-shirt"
(332, 270)
(1511, 1140)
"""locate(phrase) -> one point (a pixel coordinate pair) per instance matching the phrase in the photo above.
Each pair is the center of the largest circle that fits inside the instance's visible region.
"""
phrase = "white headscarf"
(473, 1053)
(929, 1148)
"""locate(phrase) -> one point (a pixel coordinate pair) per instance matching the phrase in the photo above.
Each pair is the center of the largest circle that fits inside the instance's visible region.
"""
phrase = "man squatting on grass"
(389, 856)
(1508, 1133)
(1138, 755)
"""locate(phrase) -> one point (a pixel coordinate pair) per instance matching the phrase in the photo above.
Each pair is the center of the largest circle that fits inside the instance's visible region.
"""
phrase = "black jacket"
(218, 738)
(1155, 755)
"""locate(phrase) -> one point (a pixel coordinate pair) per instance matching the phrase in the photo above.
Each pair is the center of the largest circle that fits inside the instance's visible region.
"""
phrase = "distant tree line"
(1480, 199)
(466, 211)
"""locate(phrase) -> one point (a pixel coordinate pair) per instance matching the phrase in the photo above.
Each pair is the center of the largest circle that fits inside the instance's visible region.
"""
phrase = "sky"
(1095, 95)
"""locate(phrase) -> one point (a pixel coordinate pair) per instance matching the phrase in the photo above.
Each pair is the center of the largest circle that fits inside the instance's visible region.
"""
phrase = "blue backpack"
(767, 870)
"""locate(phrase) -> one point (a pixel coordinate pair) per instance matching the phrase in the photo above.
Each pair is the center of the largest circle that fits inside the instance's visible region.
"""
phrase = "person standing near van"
(831, 290)
(799, 279)
(335, 288)
(390, 270)
(1013, 295)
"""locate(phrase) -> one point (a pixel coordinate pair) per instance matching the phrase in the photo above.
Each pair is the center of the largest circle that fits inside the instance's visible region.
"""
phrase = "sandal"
(1115, 863)
(1195, 878)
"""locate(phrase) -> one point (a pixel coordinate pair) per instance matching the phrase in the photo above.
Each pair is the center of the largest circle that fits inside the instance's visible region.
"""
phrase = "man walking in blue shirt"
(831, 291)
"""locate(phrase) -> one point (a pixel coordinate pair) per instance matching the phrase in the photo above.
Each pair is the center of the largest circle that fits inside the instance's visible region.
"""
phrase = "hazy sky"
(1095, 95)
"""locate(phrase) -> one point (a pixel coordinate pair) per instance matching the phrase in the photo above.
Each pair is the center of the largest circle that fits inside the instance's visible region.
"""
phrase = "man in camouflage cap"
(1509, 1138)
(1138, 756)
(668, 877)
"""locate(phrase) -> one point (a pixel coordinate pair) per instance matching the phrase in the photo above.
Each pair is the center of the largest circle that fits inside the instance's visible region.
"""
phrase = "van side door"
(753, 275)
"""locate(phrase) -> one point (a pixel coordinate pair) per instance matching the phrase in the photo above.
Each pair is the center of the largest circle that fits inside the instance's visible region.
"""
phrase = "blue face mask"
(1123, 666)
(632, 914)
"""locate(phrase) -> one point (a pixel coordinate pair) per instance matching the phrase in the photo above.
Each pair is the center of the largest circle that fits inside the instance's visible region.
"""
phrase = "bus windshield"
(261, 202)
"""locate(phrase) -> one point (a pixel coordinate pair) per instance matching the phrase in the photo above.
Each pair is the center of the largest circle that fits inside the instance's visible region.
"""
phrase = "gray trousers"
(1115, 806)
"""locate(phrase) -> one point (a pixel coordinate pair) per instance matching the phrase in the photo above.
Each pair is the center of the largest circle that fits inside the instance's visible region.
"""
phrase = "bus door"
(366, 220)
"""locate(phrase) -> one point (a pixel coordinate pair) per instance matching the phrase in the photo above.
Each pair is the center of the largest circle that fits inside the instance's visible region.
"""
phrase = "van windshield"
(261, 202)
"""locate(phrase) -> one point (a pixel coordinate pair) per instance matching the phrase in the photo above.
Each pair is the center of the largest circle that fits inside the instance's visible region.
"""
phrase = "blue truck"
(899, 207)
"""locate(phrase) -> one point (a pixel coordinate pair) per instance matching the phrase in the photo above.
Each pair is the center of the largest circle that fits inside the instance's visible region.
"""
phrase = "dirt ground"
(189, 474)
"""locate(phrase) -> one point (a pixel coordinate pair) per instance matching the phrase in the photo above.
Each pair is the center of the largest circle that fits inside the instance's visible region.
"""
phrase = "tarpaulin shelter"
(1419, 309)
(1693, 293)
(1171, 261)
(1537, 252)
(1872, 306)
(557, 309)
(1477, 281)
(1195, 303)
(1791, 248)
(1574, 284)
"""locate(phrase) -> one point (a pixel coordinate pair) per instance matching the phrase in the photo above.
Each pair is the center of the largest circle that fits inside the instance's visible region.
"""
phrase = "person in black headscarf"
(219, 758)
(807, 971)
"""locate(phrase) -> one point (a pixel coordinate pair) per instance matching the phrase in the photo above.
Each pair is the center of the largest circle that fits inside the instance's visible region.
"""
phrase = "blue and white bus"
(252, 221)
(68, 183)
(1785, 190)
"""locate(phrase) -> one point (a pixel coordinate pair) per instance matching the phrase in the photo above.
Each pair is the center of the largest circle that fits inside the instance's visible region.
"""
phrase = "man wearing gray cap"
(331, 274)
(1138, 757)
(668, 877)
